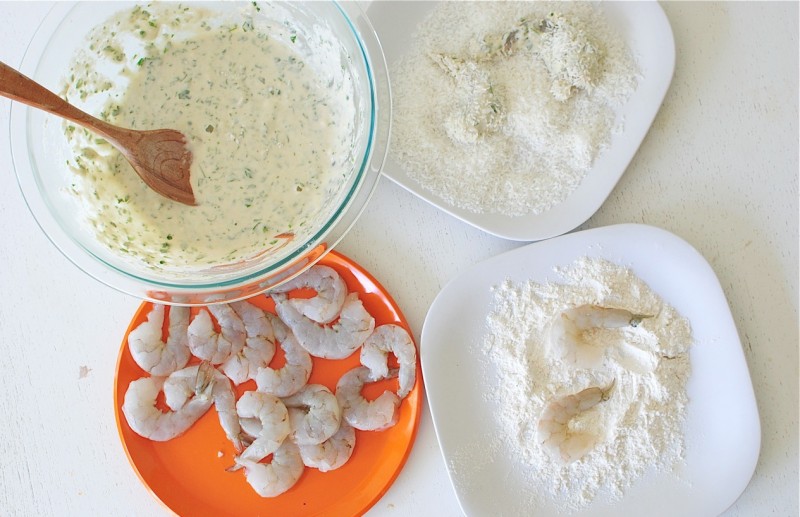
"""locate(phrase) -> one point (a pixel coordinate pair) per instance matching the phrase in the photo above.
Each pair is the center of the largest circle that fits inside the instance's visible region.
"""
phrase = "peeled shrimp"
(333, 452)
(360, 413)
(273, 418)
(150, 352)
(145, 419)
(570, 332)
(225, 404)
(337, 341)
(287, 380)
(250, 426)
(375, 351)
(554, 431)
(331, 291)
(259, 347)
(314, 414)
(207, 344)
(179, 385)
(278, 476)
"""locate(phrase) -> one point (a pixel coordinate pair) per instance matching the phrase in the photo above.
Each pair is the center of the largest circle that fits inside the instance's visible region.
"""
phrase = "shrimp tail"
(204, 380)
(236, 466)
(606, 392)
(238, 444)
(636, 319)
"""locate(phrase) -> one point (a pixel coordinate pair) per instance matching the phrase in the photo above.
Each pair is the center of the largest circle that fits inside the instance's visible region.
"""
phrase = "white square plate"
(645, 28)
(722, 428)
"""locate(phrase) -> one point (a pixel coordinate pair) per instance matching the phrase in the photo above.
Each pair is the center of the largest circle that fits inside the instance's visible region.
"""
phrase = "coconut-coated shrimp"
(361, 413)
(570, 332)
(287, 380)
(331, 291)
(151, 353)
(259, 347)
(278, 476)
(147, 420)
(179, 386)
(375, 355)
(314, 414)
(337, 341)
(333, 452)
(554, 431)
(207, 344)
(273, 419)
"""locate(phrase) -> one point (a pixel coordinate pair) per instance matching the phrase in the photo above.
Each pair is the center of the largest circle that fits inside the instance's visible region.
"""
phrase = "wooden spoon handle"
(20, 88)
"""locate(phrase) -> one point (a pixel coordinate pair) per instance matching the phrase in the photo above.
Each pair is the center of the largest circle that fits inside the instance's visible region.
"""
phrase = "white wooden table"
(719, 168)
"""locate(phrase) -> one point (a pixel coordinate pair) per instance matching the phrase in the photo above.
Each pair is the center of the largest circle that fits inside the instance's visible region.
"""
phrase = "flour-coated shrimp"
(293, 375)
(333, 452)
(151, 353)
(375, 355)
(570, 332)
(180, 385)
(331, 290)
(208, 345)
(259, 347)
(336, 341)
(273, 418)
(314, 414)
(147, 420)
(278, 476)
(361, 413)
(554, 432)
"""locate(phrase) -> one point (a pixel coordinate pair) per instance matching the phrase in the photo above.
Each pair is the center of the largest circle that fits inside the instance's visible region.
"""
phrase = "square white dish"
(722, 428)
(647, 31)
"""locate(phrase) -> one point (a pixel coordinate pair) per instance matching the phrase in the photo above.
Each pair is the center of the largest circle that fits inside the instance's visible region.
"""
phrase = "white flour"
(640, 425)
(493, 124)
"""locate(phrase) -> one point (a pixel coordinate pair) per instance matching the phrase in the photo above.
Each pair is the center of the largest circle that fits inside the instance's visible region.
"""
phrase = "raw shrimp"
(259, 347)
(278, 476)
(314, 414)
(250, 426)
(207, 344)
(288, 379)
(333, 452)
(145, 419)
(337, 341)
(375, 355)
(570, 332)
(274, 421)
(331, 291)
(150, 352)
(554, 431)
(179, 386)
(360, 413)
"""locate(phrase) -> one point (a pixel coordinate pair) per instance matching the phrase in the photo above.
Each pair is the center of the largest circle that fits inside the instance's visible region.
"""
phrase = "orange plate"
(188, 474)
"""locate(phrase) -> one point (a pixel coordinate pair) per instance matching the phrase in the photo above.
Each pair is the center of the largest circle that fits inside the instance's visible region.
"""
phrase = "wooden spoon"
(160, 156)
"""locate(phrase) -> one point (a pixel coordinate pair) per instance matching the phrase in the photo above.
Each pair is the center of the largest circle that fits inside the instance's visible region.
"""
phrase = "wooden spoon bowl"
(159, 156)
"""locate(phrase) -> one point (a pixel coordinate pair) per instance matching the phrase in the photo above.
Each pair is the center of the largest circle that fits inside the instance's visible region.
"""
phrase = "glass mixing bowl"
(40, 152)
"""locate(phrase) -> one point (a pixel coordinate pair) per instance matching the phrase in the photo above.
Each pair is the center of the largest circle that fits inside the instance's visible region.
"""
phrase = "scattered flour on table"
(641, 423)
(502, 107)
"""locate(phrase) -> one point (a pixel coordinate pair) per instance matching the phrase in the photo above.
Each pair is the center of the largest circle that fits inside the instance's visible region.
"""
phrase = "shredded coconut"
(503, 107)
(638, 427)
